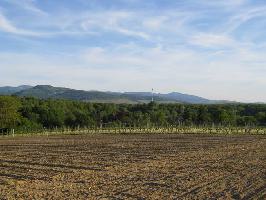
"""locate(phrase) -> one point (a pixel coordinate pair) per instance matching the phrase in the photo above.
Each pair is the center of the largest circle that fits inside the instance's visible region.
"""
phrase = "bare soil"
(154, 166)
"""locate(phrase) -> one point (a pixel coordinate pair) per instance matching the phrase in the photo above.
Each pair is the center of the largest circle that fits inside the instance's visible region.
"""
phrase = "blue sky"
(212, 48)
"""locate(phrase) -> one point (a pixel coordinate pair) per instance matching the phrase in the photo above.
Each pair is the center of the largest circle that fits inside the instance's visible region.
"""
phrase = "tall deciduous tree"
(9, 115)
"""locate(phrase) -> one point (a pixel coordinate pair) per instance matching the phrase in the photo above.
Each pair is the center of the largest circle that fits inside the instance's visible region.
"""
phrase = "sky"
(212, 48)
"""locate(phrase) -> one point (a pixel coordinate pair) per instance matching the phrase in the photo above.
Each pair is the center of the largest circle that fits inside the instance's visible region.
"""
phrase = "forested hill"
(47, 91)
(8, 90)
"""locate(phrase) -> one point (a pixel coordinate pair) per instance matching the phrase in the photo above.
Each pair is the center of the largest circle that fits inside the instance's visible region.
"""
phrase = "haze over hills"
(8, 90)
(48, 91)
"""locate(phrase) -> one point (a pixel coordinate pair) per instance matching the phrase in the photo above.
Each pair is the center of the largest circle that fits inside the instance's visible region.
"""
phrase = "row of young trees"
(32, 113)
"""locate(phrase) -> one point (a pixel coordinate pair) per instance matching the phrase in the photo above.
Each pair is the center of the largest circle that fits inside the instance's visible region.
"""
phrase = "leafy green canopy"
(31, 113)
(9, 115)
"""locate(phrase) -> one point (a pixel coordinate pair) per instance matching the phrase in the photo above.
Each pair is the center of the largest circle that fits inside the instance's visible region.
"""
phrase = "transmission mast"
(152, 95)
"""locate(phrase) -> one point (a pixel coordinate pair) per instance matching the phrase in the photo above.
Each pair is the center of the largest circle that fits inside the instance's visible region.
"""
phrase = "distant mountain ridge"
(48, 91)
(8, 90)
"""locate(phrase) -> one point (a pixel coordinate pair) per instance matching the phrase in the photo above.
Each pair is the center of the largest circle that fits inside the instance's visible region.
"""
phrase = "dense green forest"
(32, 113)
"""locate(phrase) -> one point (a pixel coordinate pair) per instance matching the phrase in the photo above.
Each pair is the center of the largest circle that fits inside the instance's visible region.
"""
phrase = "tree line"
(34, 114)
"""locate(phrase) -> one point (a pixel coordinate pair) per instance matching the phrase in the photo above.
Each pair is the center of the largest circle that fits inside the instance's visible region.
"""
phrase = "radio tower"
(152, 95)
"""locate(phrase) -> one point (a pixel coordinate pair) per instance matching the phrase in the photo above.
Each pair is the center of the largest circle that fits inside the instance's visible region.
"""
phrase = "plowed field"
(154, 166)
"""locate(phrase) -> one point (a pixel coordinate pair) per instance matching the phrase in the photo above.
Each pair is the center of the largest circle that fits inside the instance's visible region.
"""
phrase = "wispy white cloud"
(28, 5)
(113, 21)
(211, 40)
(224, 3)
(7, 26)
(243, 16)
(155, 23)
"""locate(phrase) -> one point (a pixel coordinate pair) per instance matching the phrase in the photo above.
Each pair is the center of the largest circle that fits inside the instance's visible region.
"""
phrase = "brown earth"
(154, 166)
